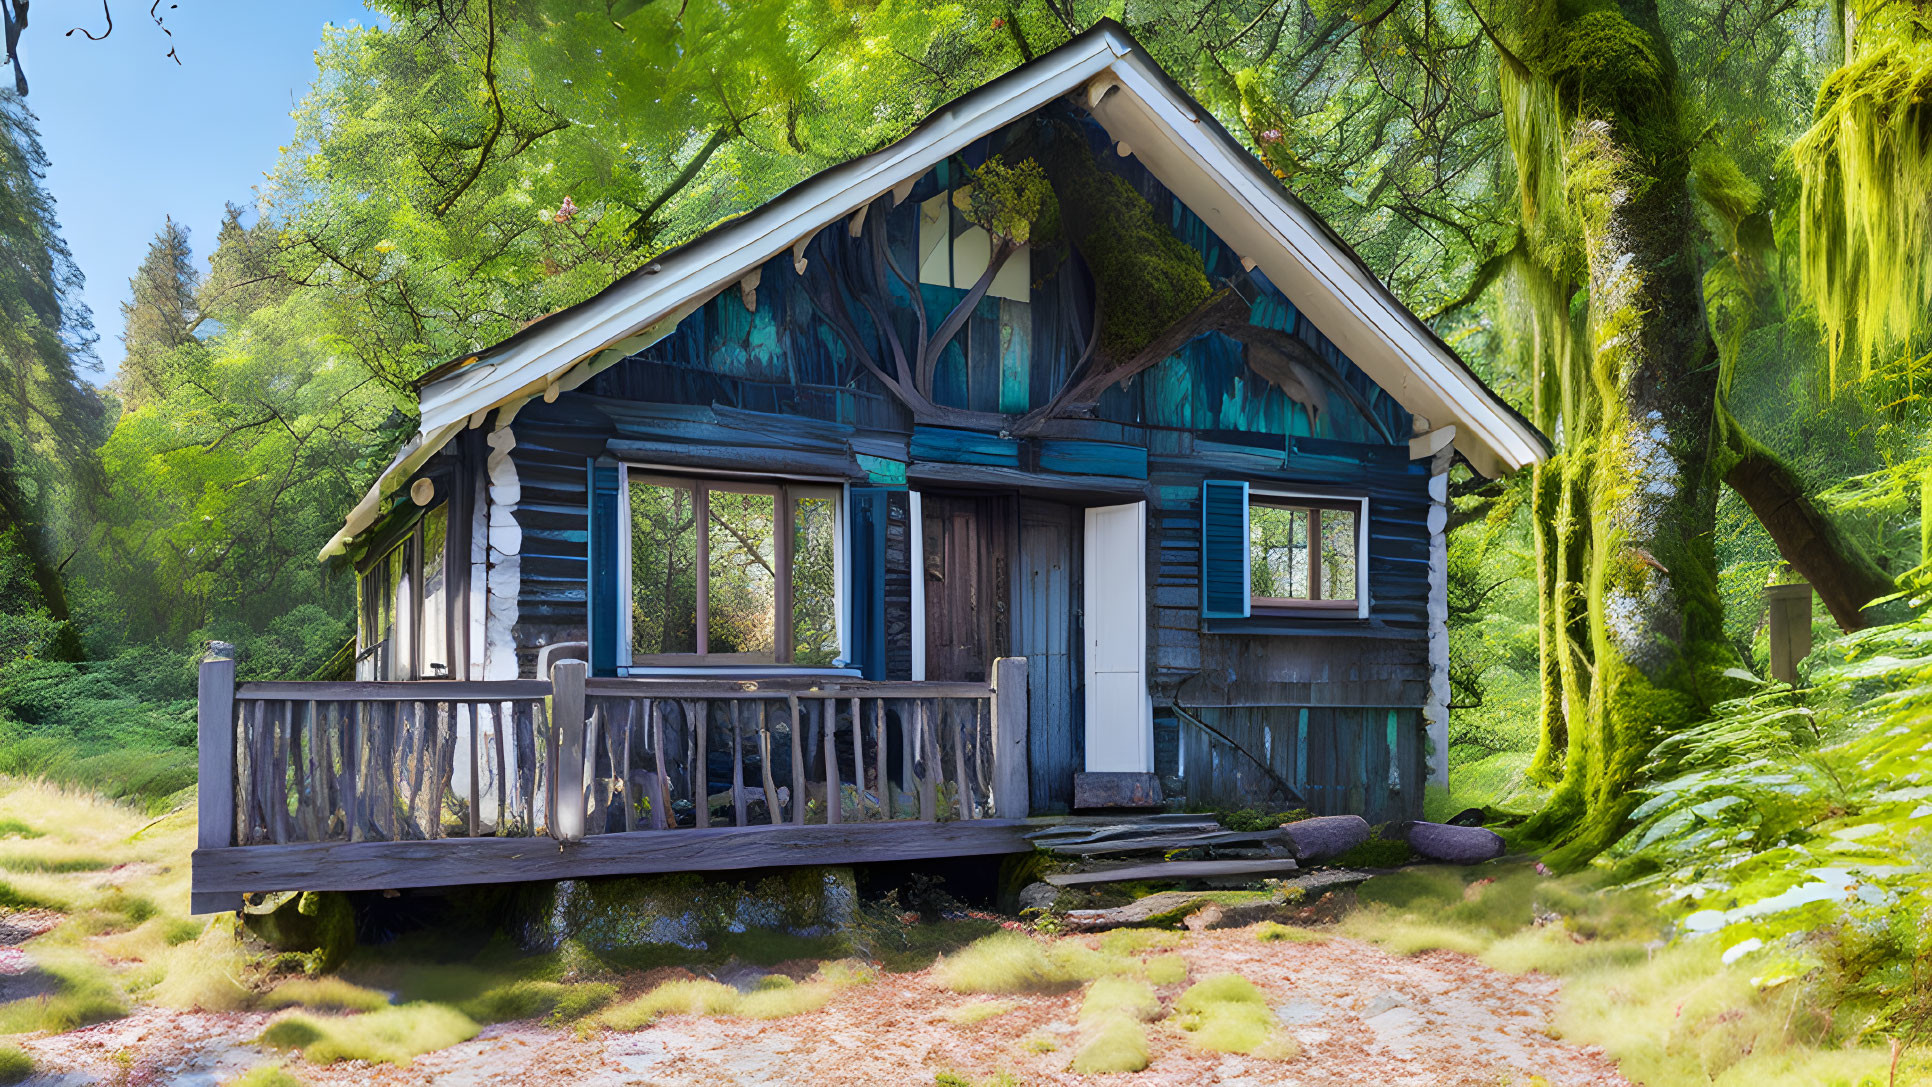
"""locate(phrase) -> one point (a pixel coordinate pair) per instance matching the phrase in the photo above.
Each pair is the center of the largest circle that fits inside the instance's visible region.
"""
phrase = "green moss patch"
(1276, 932)
(392, 1036)
(1006, 962)
(1226, 1013)
(1118, 1044)
(324, 994)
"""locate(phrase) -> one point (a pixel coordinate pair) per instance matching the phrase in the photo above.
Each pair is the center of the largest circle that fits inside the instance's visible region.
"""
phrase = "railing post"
(567, 717)
(215, 747)
(1010, 787)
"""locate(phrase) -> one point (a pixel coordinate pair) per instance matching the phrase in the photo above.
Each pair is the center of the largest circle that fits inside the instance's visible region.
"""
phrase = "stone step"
(1175, 870)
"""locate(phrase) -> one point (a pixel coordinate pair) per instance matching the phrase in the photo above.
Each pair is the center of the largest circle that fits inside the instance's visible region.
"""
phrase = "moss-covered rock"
(319, 926)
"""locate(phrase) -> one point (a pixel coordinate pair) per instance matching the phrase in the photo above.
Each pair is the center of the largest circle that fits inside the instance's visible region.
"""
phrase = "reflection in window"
(664, 569)
(1279, 541)
(435, 634)
(815, 628)
(743, 573)
(1303, 553)
(1338, 554)
(754, 586)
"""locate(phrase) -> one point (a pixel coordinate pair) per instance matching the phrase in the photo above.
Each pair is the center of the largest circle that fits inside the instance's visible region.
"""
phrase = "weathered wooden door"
(1047, 633)
(968, 620)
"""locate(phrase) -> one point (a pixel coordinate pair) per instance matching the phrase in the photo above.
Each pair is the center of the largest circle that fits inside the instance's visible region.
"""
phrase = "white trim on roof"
(1135, 103)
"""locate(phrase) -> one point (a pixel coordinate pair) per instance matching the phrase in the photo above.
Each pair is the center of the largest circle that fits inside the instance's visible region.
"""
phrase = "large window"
(402, 604)
(723, 571)
(1302, 553)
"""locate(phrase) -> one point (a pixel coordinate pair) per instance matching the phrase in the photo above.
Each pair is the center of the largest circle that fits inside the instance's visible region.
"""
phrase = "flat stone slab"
(1175, 870)
(1141, 910)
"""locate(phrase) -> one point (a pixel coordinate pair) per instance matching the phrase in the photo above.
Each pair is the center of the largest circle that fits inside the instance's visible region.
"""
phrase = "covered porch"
(356, 786)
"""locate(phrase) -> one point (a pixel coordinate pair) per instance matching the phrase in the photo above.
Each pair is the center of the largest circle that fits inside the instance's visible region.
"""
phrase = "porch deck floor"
(448, 862)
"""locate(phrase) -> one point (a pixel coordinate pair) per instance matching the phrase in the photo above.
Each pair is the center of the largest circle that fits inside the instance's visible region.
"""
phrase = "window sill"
(703, 671)
(1345, 625)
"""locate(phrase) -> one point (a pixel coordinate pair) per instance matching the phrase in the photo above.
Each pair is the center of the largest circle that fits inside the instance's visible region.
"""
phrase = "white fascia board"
(1331, 286)
(409, 458)
(722, 257)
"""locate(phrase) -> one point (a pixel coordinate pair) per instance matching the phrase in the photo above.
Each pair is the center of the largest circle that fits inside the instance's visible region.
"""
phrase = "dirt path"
(1360, 1014)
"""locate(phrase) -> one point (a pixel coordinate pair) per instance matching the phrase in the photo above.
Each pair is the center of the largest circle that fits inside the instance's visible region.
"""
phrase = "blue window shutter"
(1224, 549)
(603, 572)
(865, 580)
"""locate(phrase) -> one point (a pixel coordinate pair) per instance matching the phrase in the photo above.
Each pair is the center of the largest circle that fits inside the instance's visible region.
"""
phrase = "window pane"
(664, 577)
(815, 629)
(1338, 554)
(1278, 549)
(402, 611)
(435, 636)
(743, 581)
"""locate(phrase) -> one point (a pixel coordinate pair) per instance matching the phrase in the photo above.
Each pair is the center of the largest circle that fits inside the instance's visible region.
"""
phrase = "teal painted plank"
(1093, 458)
(881, 470)
(950, 446)
(1016, 356)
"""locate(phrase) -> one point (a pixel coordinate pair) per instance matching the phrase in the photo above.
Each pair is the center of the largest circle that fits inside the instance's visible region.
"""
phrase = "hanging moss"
(1865, 205)
(1146, 277)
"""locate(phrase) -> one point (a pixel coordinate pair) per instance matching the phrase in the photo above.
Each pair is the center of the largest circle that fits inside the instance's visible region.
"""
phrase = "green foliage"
(392, 1035)
(1013, 203)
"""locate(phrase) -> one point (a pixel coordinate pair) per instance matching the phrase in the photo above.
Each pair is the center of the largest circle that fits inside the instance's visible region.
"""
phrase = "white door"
(1120, 716)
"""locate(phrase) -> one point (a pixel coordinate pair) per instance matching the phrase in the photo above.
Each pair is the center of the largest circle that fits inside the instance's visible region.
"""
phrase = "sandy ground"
(1361, 1015)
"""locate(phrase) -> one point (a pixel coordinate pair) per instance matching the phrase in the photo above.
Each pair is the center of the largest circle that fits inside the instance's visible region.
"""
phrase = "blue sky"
(134, 137)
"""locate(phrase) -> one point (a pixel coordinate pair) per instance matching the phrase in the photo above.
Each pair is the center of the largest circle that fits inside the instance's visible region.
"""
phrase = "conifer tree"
(161, 317)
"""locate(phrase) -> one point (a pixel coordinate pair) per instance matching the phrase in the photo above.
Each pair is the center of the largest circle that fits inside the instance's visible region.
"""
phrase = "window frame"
(1313, 606)
(784, 490)
(406, 624)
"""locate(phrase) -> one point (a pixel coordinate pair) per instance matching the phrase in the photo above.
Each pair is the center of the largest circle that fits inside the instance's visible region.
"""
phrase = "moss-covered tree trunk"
(1630, 607)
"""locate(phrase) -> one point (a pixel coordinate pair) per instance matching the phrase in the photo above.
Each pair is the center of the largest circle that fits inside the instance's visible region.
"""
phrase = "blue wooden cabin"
(859, 513)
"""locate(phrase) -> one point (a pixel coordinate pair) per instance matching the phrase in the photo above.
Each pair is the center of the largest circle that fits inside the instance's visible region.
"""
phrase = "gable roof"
(1137, 104)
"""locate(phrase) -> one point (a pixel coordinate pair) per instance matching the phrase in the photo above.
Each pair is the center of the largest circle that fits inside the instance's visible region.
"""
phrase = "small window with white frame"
(732, 572)
(1305, 553)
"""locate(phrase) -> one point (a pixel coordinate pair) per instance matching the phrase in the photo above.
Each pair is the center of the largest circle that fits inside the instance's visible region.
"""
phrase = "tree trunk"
(1637, 483)
(1845, 576)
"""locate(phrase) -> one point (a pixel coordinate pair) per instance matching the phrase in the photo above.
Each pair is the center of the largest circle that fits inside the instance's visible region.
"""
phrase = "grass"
(979, 1011)
(1226, 1013)
(1117, 1044)
(393, 1035)
(1276, 932)
(266, 1075)
(684, 997)
(14, 828)
(556, 1002)
(15, 1065)
(1129, 941)
(1005, 963)
(1671, 1016)
(84, 994)
(324, 994)
(1114, 997)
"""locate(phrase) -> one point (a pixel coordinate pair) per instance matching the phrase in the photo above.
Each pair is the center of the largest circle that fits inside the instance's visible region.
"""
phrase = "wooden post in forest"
(567, 717)
(1010, 787)
(215, 747)
(1790, 620)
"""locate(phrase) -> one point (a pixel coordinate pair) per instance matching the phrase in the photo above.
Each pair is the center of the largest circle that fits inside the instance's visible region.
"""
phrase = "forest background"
(1687, 237)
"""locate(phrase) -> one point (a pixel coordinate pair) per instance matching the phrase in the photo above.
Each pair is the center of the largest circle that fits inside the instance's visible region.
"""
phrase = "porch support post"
(567, 717)
(1010, 788)
(215, 791)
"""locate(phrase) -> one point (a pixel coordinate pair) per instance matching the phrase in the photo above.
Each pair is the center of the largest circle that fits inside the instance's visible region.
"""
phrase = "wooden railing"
(309, 762)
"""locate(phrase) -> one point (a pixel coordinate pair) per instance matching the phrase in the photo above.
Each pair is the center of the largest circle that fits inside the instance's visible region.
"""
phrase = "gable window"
(402, 606)
(955, 253)
(1276, 552)
(732, 572)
